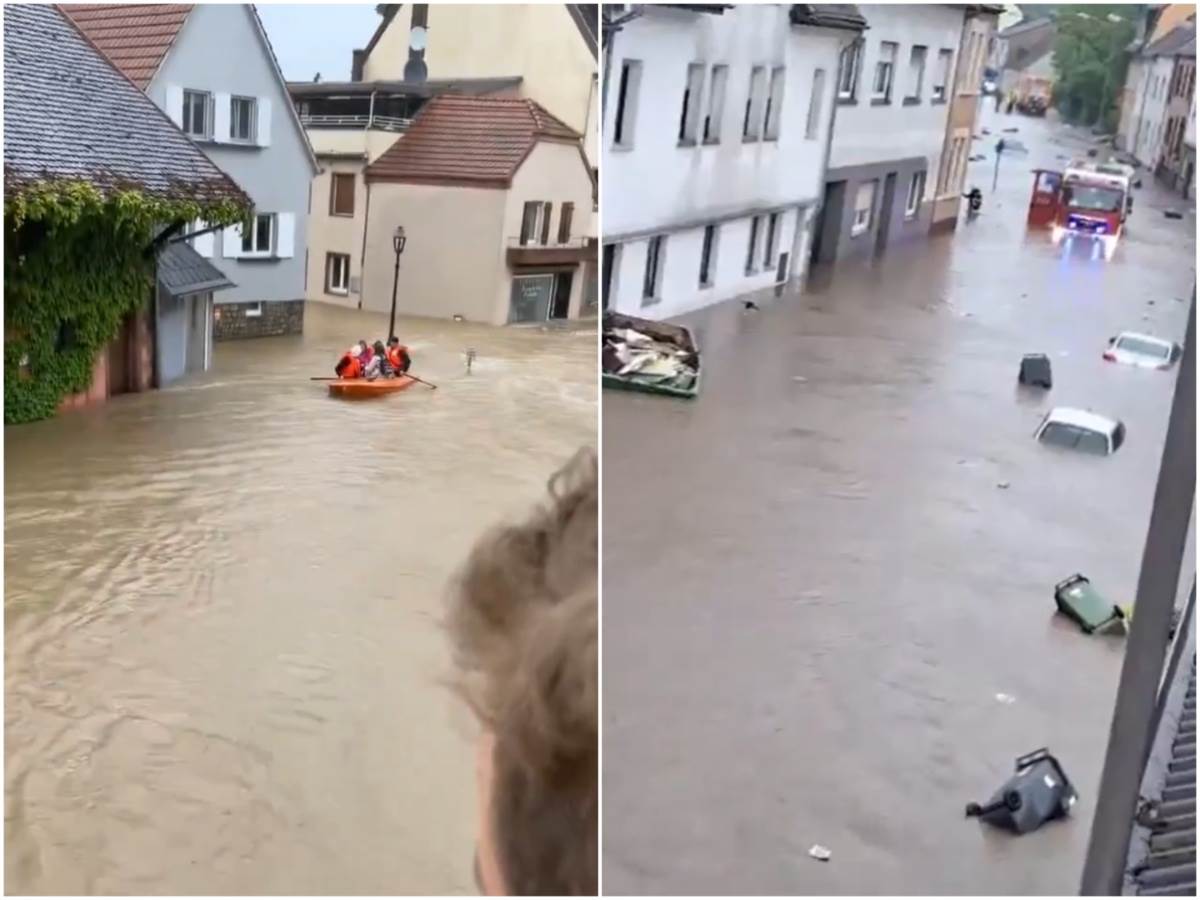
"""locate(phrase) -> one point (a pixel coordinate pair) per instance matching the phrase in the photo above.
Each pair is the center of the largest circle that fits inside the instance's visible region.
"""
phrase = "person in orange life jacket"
(398, 356)
(349, 366)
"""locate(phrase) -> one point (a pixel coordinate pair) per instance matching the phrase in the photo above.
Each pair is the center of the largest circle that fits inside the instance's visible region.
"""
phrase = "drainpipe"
(1130, 736)
(370, 116)
(362, 258)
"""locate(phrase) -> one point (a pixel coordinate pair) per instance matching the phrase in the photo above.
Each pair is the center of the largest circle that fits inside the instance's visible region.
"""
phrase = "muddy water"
(222, 651)
(815, 586)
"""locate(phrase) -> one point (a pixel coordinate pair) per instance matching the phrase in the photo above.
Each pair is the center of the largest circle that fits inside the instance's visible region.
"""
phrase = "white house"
(716, 128)
(893, 90)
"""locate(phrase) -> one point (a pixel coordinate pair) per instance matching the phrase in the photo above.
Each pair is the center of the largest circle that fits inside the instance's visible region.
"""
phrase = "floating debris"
(647, 355)
(1003, 485)
(1005, 698)
(816, 851)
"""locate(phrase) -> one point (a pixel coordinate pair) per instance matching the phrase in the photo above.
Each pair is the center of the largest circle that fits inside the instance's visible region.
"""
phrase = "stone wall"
(279, 317)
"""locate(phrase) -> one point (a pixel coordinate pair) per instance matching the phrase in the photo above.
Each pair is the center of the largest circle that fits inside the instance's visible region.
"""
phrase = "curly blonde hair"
(523, 621)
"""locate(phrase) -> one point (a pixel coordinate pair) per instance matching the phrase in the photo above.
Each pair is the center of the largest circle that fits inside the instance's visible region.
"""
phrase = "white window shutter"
(285, 242)
(175, 104)
(232, 245)
(264, 121)
(221, 123)
(202, 243)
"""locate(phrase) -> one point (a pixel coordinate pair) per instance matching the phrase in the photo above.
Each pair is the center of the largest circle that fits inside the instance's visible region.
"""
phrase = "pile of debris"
(636, 356)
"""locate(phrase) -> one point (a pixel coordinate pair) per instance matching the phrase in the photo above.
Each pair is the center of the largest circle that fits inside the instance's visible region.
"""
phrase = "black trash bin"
(1039, 792)
(1035, 370)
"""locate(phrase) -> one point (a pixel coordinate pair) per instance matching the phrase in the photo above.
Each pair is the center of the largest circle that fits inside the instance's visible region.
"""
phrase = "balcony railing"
(574, 250)
(383, 123)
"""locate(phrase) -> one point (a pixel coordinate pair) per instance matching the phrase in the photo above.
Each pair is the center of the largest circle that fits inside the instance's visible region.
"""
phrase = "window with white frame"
(716, 104)
(258, 235)
(337, 273)
(689, 113)
(916, 192)
(627, 92)
(864, 207)
(197, 114)
(708, 248)
(812, 127)
(916, 74)
(752, 121)
(652, 281)
(535, 222)
(253, 310)
(849, 66)
(774, 105)
(243, 119)
(885, 72)
(942, 74)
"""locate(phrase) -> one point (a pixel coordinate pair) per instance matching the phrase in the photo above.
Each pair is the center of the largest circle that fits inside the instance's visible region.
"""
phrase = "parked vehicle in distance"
(1080, 429)
(1142, 350)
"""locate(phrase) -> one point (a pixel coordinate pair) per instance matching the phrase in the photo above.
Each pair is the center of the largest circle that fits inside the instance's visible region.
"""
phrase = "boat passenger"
(385, 365)
(398, 355)
(349, 366)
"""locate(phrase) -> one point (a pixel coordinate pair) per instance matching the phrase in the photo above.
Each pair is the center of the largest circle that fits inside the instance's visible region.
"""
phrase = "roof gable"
(469, 142)
(70, 114)
(134, 38)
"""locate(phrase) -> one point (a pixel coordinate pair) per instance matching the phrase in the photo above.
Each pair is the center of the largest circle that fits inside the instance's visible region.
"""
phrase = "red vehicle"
(1086, 202)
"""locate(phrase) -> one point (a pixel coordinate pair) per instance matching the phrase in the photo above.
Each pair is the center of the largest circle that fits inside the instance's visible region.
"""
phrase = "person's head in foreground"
(523, 621)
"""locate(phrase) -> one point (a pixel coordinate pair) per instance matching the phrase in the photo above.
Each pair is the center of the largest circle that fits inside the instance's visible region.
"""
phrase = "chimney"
(358, 58)
(415, 69)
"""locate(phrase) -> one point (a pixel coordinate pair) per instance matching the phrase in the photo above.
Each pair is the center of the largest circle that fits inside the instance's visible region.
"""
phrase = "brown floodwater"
(825, 578)
(223, 660)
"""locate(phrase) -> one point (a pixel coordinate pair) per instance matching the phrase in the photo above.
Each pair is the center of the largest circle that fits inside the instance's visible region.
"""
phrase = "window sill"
(911, 101)
(750, 139)
(622, 148)
(651, 301)
(336, 293)
(771, 140)
(881, 101)
(847, 101)
(938, 101)
(859, 232)
(706, 287)
(686, 142)
(338, 215)
(256, 257)
(711, 142)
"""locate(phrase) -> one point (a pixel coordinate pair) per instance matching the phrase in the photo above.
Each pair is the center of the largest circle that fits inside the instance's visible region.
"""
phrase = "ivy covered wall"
(77, 262)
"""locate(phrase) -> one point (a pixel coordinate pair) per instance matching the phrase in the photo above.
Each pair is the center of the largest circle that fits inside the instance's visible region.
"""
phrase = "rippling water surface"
(222, 649)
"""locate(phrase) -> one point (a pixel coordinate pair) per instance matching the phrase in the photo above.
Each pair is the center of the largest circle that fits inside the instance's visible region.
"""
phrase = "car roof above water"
(1149, 338)
(1082, 418)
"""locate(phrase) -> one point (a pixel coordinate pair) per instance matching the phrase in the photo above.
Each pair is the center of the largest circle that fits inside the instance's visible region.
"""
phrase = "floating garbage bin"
(1035, 369)
(1038, 793)
(1083, 605)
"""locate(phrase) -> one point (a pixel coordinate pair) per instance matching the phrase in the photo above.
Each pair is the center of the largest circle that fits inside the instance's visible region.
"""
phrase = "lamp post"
(398, 242)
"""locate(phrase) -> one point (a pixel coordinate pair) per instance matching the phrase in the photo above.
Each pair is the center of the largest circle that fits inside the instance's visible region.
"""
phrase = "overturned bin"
(1035, 369)
(1082, 604)
(653, 357)
(1038, 792)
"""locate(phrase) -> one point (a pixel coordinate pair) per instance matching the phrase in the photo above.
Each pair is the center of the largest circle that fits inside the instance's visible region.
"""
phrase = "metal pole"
(1145, 649)
(996, 173)
(395, 281)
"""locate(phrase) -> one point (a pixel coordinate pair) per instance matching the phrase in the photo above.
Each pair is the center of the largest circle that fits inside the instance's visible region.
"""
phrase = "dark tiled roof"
(69, 114)
(184, 271)
(135, 38)
(469, 141)
(1179, 41)
(428, 88)
(828, 15)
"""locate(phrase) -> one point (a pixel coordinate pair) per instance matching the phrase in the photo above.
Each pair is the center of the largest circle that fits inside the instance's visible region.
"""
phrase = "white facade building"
(1150, 109)
(894, 90)
(716, 130)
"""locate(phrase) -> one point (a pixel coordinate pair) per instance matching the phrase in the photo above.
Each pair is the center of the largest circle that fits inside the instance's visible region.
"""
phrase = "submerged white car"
(1081, 429)
(1142, 350)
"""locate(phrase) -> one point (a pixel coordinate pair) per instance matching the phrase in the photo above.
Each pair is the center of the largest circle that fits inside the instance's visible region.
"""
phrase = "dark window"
(769, 251)
(529, 221)
(256, 235)
(653, 270)
(565, 215)
(753, 245)
(706, 249)
(341, 194)
(196, 118)
(622, 127)
(848, 68)
(547, 209)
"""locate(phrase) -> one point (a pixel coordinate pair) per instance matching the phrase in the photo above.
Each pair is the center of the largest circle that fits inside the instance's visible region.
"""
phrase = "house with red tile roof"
(211, 69)
(493, 194)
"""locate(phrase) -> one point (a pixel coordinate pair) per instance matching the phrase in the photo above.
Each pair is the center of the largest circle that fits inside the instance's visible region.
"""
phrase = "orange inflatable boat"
(360, 388)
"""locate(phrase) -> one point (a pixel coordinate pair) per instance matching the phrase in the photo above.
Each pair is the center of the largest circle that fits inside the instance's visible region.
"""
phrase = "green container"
(679, 335)
(1083, 605)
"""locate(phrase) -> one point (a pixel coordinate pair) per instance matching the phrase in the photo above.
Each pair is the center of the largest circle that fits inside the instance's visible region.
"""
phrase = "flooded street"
(224, 670)
(815, 585)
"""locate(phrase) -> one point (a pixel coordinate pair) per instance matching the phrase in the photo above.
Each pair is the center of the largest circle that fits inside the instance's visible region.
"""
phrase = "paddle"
(335, 378)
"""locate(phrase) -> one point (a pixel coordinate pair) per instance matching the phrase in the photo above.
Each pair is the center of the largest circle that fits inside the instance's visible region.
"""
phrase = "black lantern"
(398, 242)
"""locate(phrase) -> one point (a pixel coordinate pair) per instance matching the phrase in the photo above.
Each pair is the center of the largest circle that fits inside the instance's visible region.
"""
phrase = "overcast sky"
(319, 38)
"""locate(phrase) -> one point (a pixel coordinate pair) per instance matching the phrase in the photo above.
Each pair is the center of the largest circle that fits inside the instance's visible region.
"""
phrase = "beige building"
(350, 125)
(491, 193)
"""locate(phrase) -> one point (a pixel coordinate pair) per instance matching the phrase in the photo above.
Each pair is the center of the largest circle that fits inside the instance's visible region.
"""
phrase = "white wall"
(657, 185)
(910, 131)
(1153, 110)
(1189, 132)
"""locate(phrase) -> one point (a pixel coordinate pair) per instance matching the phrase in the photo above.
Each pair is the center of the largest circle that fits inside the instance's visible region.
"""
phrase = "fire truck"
(1088, 201)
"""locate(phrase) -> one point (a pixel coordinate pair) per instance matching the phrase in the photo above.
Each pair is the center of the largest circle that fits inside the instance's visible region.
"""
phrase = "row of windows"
(867, 193)
(702, 110)
(535, 222)
(883, 78)
(199, 114)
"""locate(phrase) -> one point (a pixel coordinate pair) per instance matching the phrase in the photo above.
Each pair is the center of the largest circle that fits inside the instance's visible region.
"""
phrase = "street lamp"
(398, 242)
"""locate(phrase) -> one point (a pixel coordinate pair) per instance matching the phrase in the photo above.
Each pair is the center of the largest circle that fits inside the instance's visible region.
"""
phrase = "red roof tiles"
(469, 142)
(135, 38)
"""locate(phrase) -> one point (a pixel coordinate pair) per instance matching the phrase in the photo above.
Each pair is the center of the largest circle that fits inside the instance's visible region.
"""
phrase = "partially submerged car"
(1142, 350)
(1081, 429)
